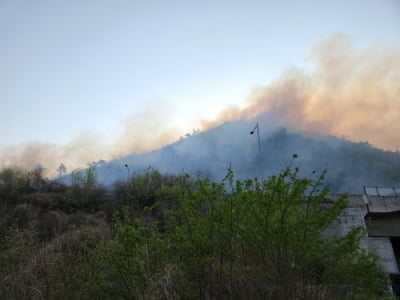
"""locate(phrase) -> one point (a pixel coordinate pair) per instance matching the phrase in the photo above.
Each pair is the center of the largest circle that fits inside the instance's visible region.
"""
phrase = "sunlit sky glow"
(88, 67)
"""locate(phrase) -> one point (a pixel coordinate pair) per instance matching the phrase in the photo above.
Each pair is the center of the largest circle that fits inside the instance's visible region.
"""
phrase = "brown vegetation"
(171, 237)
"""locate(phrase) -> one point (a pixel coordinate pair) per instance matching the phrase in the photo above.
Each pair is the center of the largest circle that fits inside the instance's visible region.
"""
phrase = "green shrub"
(142, 188)
(51, 224)
(16, 248)
(181, 238)
(12, 184)
(264, 240)
(82, 190)
(242, 240)
(138, 259)
(23, 215)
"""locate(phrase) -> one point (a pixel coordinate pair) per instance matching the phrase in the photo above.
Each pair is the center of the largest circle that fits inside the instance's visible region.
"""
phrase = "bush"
(181, 238)
(68, 267)
(142, 188)
(83, 192)
(12, 185)
(23, 215)
(16, 248)
(51, 224)
(264, 240)
(138, 259)
(244, 240)
(17, 185)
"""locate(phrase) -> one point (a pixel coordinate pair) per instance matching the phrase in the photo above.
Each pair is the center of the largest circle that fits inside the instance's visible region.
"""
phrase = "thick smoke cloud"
(138, 133)
(145, 130)
(81, 149)
(347, 94)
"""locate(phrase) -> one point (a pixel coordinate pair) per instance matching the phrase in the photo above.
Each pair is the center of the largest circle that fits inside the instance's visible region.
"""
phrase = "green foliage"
(152, 189)
(16, 247)
(251, 239)
(182, 238)
(244, 239)
(82, 189)
(137, 259)
(11, 184)
(142, 188)
(68, 267)
(16, 182)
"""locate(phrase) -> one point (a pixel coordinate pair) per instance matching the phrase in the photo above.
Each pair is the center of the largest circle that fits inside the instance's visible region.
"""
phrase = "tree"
(12, 183)
(264, 240)
(247, 239)
(82, 189)
(61, 169)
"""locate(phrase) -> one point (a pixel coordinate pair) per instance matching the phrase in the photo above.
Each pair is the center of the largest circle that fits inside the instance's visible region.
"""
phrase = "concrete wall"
(379, 229)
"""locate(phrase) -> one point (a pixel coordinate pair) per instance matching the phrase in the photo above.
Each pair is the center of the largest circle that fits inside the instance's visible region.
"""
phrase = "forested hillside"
(350, 165)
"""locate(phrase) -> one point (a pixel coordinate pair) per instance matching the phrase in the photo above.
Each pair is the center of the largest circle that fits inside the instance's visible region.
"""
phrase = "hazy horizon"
(87, 81)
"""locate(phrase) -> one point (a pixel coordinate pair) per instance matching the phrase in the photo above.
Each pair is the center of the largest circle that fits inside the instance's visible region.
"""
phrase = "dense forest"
(163, 236)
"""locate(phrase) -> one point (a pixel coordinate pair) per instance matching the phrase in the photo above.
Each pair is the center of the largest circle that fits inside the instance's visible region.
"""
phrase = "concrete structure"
(378, 211)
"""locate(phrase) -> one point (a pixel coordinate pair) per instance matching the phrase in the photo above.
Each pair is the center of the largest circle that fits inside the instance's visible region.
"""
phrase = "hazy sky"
(92, 70)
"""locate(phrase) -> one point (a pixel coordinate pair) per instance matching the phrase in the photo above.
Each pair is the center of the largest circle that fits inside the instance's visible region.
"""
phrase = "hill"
(350, 165)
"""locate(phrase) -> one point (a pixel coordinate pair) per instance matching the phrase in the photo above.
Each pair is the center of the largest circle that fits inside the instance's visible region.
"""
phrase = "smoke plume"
(347, 94)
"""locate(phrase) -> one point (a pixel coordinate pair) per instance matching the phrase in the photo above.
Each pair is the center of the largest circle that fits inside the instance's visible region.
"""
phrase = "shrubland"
(160, 236)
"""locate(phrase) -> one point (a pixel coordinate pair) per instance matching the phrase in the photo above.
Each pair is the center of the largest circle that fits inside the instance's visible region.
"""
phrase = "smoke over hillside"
(356, 96)
(346, 94)
(350, 165)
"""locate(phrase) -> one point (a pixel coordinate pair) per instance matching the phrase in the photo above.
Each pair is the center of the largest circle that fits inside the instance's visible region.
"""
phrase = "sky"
(89, 80)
